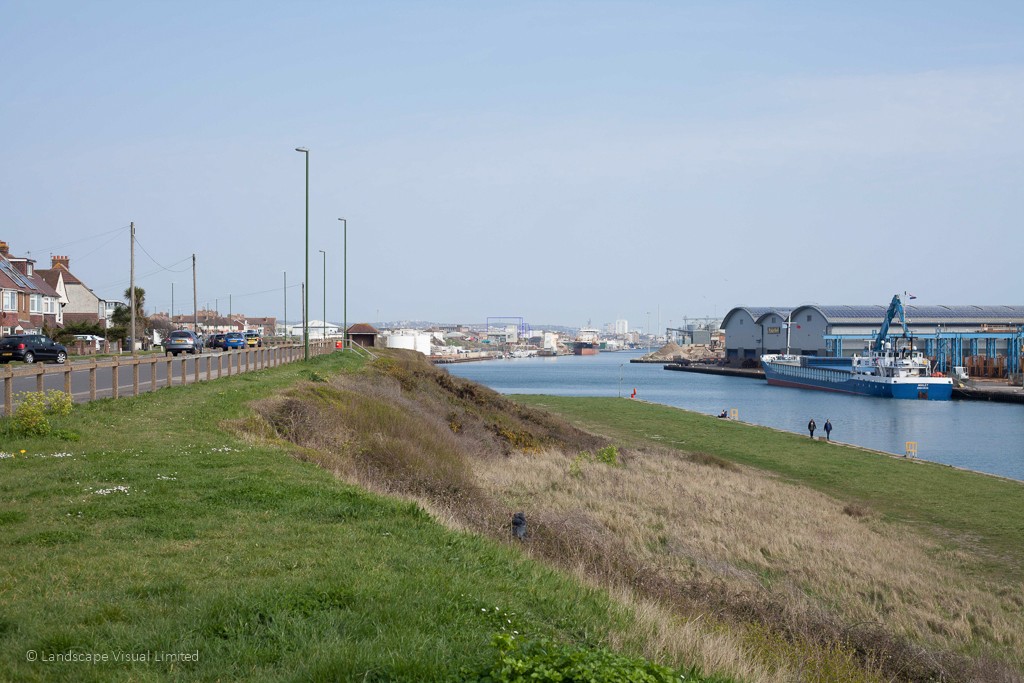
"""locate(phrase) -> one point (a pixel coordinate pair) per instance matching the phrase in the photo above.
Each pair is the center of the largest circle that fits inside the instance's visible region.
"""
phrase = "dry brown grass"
(724, 566)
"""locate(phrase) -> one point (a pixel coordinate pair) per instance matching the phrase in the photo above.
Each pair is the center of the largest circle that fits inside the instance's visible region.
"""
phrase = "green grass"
(266, 566)
(962, 508)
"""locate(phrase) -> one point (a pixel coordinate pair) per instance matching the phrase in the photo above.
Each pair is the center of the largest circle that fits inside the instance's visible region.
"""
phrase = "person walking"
(828, 430)
(811, 427)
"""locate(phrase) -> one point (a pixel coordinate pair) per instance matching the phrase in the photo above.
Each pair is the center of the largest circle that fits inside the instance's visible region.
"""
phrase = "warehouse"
(986, 339)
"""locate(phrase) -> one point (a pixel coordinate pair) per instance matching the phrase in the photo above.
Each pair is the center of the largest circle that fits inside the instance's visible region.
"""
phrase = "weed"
(543, 660)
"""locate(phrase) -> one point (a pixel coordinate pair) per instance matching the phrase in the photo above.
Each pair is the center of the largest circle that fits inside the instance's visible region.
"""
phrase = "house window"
(36, 304)
(28, 269)
(10, 300)
(48, 306)
(808, 317)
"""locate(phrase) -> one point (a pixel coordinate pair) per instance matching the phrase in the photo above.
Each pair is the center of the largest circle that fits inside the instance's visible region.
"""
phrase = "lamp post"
(325, 293)
(305, 304)
(344, 289)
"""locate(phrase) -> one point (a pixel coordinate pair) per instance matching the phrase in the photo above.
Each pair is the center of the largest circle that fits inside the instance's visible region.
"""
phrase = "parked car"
(231, 340)
(30, 348)
(252, 338)
(234, 340)
(183, 341)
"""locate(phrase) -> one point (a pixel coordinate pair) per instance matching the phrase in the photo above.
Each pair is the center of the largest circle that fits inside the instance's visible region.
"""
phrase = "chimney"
(61, 261)
(4, 249)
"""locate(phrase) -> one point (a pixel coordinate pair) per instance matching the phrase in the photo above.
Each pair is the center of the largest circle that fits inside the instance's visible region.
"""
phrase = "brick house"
(80, 303)
(27, 301)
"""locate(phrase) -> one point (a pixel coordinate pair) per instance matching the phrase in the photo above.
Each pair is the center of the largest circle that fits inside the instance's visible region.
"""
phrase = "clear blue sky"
(561, 161)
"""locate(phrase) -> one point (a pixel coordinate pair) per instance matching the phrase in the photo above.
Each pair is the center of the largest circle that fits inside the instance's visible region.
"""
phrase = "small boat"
(887, 369)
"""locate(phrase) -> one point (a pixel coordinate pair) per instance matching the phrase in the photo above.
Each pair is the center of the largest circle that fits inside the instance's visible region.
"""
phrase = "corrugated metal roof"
(920, 314)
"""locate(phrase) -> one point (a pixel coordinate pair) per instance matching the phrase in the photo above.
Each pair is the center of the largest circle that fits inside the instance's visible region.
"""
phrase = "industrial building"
(987, 340)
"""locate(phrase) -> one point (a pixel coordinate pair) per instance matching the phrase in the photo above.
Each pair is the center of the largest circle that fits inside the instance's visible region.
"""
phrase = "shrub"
(609, 455)
(30, 417)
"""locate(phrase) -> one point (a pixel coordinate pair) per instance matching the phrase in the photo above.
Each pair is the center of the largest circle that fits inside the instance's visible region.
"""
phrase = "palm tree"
(122, 316)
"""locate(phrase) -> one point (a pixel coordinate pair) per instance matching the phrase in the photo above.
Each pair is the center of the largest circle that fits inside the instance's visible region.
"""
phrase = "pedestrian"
(811, 427)
(828, 430)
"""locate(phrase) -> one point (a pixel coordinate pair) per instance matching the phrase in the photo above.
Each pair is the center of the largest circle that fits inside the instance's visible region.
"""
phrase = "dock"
(996, 391)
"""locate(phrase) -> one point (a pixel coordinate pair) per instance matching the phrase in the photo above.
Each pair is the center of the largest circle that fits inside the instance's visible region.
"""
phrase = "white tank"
(416, 341)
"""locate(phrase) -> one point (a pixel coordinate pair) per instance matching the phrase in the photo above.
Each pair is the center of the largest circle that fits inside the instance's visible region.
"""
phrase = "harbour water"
(980, 436)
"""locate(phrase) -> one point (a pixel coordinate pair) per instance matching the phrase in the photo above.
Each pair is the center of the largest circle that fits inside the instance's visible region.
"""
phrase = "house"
(79, 303)
(27, 302)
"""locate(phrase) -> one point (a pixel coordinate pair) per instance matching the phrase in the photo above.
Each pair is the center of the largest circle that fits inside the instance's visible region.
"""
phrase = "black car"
(30, 348)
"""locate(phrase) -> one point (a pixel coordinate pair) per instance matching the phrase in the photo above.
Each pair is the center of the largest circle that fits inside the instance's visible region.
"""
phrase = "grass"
(215, 519)
(158, 530)
(966, 509)
(747, 573)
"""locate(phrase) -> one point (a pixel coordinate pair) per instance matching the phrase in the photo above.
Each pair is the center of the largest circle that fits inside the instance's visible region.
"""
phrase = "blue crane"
(895, 308)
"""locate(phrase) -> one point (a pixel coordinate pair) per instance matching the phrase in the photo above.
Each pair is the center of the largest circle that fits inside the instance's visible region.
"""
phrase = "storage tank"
(414, 341)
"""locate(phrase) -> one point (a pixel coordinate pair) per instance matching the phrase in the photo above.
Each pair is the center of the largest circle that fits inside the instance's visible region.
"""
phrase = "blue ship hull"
(843, 381)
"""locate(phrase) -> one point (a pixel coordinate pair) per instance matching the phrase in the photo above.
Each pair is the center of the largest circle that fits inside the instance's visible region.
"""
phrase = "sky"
(564, 162)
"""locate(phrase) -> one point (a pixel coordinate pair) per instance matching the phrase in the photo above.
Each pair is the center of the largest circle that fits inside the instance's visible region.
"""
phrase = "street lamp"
(305, 305)
(344, 289)
(325, 293)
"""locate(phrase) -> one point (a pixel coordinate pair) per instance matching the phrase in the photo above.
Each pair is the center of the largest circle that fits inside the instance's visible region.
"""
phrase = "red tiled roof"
(363, 328)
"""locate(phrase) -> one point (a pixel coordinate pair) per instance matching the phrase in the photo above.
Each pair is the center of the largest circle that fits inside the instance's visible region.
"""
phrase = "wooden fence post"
(8, 392)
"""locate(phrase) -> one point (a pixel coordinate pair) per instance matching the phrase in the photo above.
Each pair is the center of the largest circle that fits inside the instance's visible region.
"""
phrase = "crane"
(895, 308)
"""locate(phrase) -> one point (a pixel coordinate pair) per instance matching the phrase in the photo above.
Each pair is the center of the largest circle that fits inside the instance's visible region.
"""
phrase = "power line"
(52, 249)
(163, 267)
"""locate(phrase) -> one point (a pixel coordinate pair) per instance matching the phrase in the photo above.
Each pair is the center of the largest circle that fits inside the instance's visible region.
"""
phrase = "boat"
(584, 348)
(888, 369)
(587, 342)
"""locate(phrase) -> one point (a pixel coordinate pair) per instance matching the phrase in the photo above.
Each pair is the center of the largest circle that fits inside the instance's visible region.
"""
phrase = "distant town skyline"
(564, 162)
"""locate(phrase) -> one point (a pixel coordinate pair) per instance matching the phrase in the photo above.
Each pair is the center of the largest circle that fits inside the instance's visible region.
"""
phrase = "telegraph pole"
(131, 287)
(285, 291)
(195, 300)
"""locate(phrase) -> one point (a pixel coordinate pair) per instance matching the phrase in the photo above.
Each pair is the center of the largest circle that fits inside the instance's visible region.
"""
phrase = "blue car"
(231, 340)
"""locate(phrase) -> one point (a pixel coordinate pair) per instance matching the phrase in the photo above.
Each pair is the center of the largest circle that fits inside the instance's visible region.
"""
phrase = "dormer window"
(28, 268)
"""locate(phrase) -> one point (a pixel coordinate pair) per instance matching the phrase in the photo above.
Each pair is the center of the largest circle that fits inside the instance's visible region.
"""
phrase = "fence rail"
(174, 370)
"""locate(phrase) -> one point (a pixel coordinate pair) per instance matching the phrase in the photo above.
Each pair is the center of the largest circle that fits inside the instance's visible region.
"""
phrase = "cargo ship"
(888, 369)
(587, 343)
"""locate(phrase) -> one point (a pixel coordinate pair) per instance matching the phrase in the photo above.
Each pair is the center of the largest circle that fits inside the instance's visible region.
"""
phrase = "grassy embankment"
(849, 574)
(151, 527)
(743, 571)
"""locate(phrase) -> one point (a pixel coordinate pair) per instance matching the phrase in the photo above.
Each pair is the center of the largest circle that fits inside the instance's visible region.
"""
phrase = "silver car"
(183, 341)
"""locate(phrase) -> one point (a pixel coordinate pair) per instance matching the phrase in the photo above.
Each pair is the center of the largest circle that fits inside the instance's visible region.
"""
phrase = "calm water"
(987, 437)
